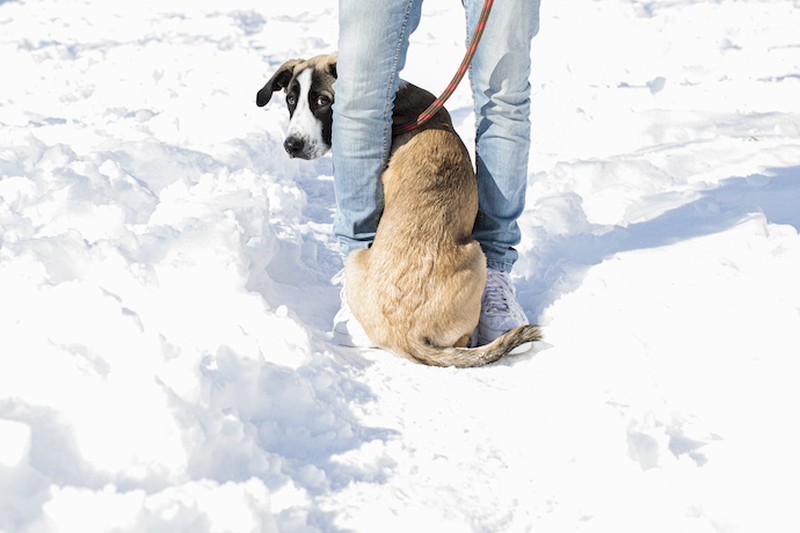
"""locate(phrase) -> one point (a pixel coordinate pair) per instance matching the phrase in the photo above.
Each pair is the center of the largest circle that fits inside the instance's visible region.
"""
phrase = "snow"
(165, 295)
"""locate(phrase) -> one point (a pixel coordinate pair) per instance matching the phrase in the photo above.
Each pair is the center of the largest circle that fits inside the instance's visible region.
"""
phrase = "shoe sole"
(522, 348)
(346, 340)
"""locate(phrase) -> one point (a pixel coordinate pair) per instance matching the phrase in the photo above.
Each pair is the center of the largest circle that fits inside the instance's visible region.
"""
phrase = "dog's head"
(308, 84)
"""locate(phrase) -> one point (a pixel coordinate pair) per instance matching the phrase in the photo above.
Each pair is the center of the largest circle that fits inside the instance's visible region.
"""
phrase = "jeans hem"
(502, 266)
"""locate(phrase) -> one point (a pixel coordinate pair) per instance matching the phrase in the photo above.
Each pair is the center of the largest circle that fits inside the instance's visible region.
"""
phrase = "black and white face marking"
(311, 116)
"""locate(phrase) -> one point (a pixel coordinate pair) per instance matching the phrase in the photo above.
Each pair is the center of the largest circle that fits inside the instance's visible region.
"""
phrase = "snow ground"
(165, 298)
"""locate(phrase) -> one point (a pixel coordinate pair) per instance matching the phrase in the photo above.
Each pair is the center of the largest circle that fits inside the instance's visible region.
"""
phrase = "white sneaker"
(347, 331)
(500, 310)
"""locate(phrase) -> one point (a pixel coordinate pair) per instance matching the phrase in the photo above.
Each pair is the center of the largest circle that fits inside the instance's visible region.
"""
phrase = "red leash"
(434, 108)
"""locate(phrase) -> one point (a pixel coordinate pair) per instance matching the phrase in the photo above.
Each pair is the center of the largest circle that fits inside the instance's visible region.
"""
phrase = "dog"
(417, 290)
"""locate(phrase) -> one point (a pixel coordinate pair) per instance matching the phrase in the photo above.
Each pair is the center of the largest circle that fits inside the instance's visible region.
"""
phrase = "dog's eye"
(322, 101)
(291, 99)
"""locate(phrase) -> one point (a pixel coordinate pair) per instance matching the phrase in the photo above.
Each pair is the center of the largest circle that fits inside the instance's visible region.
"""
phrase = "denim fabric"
(373, 41)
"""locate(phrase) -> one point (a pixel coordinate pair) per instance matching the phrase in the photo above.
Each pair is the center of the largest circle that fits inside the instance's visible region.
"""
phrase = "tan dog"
(417, 290)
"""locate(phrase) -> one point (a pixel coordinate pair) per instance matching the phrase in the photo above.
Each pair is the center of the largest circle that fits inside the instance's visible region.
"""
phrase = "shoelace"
(497, 292)
(344, 312)
(338, 278)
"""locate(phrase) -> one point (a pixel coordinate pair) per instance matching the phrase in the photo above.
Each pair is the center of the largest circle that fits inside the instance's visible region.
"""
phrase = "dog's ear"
(334, 58)
(277, 82)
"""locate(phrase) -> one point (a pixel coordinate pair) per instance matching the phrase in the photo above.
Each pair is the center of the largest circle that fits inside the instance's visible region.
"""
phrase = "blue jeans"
(373, 41)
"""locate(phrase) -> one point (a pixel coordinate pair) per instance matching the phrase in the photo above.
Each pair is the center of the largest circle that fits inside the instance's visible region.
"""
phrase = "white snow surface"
(165, 294)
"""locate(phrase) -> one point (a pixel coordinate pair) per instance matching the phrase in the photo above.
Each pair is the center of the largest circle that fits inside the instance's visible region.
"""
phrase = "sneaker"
(347, 331)
(500, 310)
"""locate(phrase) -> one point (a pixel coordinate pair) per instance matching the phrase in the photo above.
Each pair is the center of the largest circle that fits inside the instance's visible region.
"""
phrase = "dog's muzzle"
(304, 148)
(295, 146)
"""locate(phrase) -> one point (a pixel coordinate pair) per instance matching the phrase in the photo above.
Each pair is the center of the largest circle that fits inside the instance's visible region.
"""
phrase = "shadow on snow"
(775, 194)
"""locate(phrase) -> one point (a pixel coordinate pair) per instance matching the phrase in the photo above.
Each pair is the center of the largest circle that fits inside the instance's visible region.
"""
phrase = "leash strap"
(434, 108)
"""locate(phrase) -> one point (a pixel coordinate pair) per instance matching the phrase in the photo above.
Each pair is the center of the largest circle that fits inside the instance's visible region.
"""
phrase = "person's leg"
(373, 41)
(499, 75)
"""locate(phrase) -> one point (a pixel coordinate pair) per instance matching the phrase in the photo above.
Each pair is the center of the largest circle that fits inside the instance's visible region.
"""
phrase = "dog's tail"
(425, 353)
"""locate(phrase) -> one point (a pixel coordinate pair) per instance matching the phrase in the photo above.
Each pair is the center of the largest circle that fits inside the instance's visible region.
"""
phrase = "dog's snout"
(294, 146)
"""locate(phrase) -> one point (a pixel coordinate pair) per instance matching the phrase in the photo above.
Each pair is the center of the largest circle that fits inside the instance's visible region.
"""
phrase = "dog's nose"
(294, 146)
